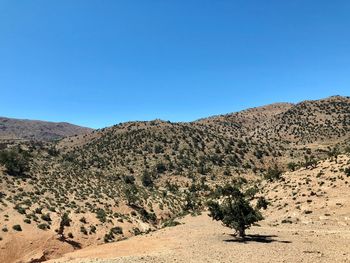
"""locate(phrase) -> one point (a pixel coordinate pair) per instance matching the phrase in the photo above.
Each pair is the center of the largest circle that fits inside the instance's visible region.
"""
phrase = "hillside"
(136, 177)
(253, 139)
(301, 123)
(16, 129)
(308, 221)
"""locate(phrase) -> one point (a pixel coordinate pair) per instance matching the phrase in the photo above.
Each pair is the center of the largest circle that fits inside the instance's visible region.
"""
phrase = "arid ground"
(199, 239)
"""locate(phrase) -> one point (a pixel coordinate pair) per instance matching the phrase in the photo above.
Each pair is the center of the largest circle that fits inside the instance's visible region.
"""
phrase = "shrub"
(43, 226)
(171, 223)
(101, 215)
(130, 193)
(83, 230)
(146, 179)
(160, 168)
(292, 166)
(20, 209)
(46, 217)
(15, 162)
(92, 229)
(108, 237)
(310, 162)
(117, 230)
(65, 221)
(273, 174)
(262, 203)
(136, 231)
(17, 228)
(129, 179)
(38, 210)
(347, 171)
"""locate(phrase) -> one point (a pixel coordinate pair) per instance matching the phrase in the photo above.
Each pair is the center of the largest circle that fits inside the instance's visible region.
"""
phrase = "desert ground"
(200, 239)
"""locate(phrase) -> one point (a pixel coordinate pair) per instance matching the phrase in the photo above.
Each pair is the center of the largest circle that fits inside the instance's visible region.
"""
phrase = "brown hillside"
(38, 130)
(136, 177)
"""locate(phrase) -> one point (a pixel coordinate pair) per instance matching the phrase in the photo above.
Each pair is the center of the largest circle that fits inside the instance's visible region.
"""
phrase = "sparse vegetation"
(162, 170)
(17, 228)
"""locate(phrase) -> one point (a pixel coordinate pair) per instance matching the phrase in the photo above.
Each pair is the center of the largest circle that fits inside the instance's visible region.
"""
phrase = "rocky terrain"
(16, 129)
(300, 226)
(133, 178)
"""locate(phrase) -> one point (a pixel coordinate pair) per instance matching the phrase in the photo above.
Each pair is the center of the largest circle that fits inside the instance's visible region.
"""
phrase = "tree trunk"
(241, 232)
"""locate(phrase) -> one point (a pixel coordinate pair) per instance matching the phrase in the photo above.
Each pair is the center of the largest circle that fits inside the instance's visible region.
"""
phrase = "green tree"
(333, 153)
(235, 210)
(146, 179)
(65, 221)
(347, 171)
(292, 166)
(273, 173)
(310, 162)
(15, 162)
(130, 193)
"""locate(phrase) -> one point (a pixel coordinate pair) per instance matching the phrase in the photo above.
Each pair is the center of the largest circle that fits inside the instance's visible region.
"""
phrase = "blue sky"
(97, 63)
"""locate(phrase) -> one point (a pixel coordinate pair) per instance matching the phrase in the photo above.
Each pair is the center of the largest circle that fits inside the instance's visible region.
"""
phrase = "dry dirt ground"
(199, 239)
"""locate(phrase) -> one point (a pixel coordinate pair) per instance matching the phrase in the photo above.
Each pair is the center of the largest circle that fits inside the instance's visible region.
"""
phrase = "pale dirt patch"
(199, 239)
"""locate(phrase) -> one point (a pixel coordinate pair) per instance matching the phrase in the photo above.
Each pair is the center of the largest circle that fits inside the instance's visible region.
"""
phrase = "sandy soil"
(199, 239)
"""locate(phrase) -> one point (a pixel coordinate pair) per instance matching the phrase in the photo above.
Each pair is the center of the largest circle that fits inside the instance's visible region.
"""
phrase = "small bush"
(92, 229)
(117, 230)
(108, 237)
(43, 226)
(83, 230)
(17, 228)
(38, 210)
(292, 166)
(46, 217)
(101, 215)
(20, 209)
(136, 231)
(146, 179)
(273, 174)
(347, 171)
(171, 223)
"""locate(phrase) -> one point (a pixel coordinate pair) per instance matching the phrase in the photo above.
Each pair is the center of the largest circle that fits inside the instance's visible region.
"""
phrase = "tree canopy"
(234, 208)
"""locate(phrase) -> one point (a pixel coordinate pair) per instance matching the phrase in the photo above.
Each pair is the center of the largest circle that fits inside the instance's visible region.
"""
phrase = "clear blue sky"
(97, 63)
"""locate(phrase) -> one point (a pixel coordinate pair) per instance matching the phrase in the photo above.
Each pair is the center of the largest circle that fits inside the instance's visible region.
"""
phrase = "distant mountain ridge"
(304, 122)
(254, 138)
(21, 129)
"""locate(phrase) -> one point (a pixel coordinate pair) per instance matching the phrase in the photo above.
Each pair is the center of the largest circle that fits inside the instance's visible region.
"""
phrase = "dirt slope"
(200, 239)
(312, 196)
(308, 221)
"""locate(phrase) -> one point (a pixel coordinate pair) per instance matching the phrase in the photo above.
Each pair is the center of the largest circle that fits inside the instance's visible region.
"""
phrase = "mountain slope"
(254, 139)
(133, 177)
(38, 130)
(302, 123)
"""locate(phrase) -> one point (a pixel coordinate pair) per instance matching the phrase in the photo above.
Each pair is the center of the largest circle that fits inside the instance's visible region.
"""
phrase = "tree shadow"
(74, 244)
(257, 238)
